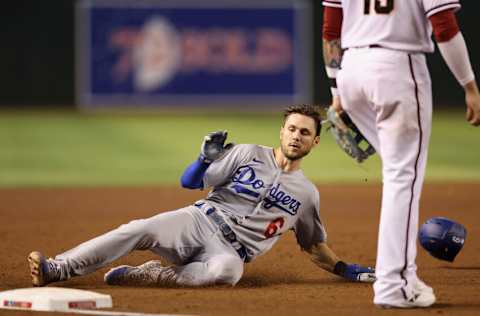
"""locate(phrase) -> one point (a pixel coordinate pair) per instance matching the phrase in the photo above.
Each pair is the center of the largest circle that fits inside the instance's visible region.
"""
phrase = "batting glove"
(213, 146)
(354, 272)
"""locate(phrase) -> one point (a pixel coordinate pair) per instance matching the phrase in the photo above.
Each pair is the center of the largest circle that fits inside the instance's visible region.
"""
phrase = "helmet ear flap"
(442, 238)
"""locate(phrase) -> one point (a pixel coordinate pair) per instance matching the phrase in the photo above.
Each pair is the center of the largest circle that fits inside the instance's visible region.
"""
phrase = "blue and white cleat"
(43, 271)
(118, 275)
(151, 273)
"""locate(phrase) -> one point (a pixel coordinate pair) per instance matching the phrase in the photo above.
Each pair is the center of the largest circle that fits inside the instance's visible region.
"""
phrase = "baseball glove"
(347, 135)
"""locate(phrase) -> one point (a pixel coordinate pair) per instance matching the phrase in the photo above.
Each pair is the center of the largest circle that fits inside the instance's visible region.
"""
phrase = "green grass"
(71, 149)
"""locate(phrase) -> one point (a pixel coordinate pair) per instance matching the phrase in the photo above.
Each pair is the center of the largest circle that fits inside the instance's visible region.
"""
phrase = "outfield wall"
(38, 55)
(189, 53)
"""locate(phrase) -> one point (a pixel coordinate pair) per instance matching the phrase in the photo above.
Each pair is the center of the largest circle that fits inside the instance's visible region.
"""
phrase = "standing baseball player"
(384, 86)
(258, 194)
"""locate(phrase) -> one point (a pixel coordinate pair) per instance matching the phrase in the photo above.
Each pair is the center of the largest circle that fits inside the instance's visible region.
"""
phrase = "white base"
(53, 299)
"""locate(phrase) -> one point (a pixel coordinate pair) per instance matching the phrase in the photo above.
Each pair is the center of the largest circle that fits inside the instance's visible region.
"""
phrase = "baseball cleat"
(421, 286)
(418, 299)
(43, 271)
(151, 273)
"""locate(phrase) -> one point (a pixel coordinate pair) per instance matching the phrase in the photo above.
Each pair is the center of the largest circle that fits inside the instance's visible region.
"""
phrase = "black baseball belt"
(366, 46)
(225, 229)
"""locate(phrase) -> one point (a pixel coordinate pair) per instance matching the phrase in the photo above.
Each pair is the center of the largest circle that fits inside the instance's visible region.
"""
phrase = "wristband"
(332, 79)
(340, 268)
(331, 72)
(204, 159)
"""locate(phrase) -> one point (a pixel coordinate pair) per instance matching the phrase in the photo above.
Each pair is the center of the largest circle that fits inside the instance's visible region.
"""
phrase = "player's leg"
(219, 269)
(176, 235)
(424, 94)
(217, 263)
(378, 92)
(403, 124)
(354, 101)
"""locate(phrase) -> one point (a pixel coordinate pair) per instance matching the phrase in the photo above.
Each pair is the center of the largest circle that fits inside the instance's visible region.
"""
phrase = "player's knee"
(135, 229)
(132, 225)
(226, 269)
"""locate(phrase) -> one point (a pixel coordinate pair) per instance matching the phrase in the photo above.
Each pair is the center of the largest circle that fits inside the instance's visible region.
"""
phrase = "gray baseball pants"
(185, 237)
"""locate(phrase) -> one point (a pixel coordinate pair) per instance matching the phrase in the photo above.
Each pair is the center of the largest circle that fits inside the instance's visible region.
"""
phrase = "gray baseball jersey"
(260, 201)
(250, 192)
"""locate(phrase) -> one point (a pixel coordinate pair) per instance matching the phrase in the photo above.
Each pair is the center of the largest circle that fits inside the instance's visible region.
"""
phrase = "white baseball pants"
(387, 94)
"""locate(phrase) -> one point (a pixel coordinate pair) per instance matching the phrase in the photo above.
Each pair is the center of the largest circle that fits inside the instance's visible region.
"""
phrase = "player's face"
(297, 136)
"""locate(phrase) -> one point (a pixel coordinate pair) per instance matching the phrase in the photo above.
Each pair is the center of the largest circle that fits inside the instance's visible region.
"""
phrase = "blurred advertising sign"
(193, 52)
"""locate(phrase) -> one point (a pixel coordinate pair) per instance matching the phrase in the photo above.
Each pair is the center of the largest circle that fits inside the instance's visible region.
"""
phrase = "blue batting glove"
(355, 272)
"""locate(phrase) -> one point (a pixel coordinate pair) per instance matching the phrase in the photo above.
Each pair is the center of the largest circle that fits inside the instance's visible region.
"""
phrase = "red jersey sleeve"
(444, 24)
(332, 23)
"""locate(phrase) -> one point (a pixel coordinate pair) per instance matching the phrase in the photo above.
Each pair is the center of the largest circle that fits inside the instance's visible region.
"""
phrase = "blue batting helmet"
(442, 237)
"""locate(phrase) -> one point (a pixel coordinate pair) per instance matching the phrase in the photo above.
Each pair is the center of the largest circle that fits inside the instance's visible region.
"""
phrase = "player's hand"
(472, 99)
(213, 146)
(358, 273)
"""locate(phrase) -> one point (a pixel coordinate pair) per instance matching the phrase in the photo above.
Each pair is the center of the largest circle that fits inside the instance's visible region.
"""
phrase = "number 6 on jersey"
(273, 227)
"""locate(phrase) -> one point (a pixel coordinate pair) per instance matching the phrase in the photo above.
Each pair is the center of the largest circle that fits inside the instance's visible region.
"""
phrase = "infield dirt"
(282, 282)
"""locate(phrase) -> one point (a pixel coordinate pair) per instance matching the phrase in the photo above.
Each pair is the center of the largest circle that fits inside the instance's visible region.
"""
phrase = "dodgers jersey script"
(395, 24)
(260, 201)
(250, 193)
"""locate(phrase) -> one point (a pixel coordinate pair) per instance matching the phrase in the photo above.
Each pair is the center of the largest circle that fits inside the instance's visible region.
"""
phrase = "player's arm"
(332, 49)
(211, 149)
(454, 51)
(192, 177)
(325, 258)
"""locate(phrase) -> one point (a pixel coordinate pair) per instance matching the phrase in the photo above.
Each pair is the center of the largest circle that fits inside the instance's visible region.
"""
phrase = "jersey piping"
(415, 173)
